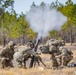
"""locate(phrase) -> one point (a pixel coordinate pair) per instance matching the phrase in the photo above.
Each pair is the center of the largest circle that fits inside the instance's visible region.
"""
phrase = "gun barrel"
(37, 43)
(35, 49)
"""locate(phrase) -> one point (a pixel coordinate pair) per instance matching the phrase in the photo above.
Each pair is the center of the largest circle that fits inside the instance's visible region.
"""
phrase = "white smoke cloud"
(44, 19)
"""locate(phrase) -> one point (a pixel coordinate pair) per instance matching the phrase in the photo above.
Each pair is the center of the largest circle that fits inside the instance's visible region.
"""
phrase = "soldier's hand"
(7, 58)
(56, 56)
(39, 53)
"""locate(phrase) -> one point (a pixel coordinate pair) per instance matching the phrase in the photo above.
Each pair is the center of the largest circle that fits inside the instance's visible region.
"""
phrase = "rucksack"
(69, 51)
(44, 49)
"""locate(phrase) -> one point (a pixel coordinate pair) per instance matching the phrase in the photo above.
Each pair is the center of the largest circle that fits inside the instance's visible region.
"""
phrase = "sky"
(24, 5)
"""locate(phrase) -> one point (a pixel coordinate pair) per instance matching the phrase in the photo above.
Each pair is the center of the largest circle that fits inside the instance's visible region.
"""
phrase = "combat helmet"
(60, 48)
(56, 42)
(11, 43)
(31, 44)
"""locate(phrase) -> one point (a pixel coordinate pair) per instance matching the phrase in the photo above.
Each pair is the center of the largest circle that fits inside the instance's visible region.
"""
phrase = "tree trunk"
(4, 41)
(71, 36)
(23, 40)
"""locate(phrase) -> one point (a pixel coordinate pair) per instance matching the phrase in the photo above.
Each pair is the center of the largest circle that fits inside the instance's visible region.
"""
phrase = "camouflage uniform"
(63, 42)
(6, 55)
(17, 59)
(54, 51)
(23, 55)
(66, 56)
(49, 42)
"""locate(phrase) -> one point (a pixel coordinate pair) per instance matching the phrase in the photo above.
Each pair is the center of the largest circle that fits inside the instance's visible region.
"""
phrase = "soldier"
(54, 51)
(23, 55)
(66, 56)
(18, 59)
(6, 55)
(63, 42)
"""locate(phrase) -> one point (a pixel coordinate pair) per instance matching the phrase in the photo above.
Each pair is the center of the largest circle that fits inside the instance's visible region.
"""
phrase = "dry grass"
(40, 70)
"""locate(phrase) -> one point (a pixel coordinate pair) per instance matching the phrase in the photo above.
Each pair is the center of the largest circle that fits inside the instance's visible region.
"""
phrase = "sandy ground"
(41, 70)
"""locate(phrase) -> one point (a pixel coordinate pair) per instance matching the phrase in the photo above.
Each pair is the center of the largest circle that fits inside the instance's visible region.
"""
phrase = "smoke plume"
(44, 19)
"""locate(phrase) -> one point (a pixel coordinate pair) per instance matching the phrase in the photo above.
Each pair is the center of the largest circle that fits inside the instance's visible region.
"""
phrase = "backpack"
(44, 49)
(69, 51)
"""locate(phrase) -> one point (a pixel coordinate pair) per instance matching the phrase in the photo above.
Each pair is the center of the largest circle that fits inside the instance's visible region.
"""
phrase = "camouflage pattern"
(31, 44)
(66, 56)
(54, 41)
(54, 45)
(44, 49)
(6, 55)
(63, 42)
(54, 51)
(18, 59)
(49, 42)
(22, 56)
(2, 62)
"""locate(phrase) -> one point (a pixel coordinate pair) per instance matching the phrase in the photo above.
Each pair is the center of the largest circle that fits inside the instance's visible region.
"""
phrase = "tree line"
(15, 27)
